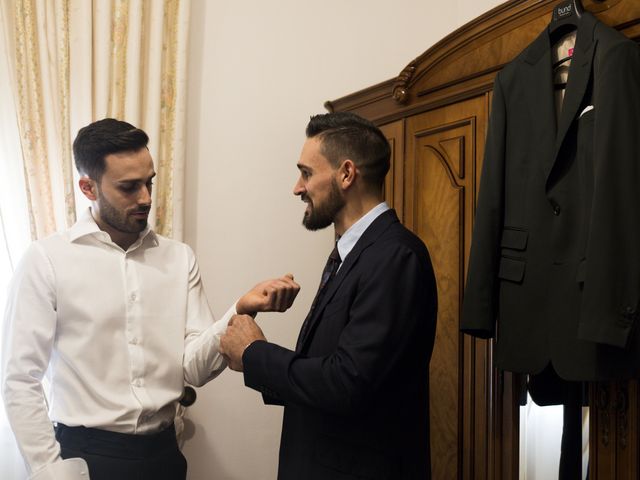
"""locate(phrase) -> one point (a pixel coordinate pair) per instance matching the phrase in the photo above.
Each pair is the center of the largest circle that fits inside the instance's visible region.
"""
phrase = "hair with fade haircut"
(104, 137)
(346, 135)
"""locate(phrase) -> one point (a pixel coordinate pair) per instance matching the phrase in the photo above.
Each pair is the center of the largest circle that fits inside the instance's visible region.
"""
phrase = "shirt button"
(134, 341)
(137, 382)
(133, 297)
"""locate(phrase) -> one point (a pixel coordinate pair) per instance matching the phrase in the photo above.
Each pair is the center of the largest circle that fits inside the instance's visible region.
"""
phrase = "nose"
(298, 188)
(144, 198)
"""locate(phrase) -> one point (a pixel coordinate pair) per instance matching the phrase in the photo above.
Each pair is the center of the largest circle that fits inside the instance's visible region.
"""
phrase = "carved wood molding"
(399, 93)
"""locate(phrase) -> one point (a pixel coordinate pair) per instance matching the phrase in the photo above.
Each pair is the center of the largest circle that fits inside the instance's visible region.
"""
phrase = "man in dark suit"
(356, 388)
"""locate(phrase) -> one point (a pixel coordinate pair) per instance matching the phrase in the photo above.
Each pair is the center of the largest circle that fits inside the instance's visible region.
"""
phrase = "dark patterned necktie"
(330, 269)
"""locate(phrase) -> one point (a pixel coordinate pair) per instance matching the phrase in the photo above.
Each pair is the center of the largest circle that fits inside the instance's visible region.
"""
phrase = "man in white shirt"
(117, 318)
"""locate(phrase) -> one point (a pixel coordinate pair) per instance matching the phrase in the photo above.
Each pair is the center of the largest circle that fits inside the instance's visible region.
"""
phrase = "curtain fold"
(42, 90)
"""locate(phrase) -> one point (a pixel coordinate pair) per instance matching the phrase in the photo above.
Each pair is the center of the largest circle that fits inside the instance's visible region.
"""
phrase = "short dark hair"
(104, 137)
(347, 135)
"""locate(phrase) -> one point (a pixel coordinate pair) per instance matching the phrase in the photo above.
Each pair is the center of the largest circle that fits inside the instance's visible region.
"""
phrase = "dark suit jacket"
(555, 254)
(356, 396)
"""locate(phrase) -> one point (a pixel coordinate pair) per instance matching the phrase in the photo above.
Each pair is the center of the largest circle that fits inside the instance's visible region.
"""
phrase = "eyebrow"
(304, 167)
(136, 180)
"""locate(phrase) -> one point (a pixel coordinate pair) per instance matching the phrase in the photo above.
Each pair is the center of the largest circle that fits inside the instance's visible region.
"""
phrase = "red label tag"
(571, 52)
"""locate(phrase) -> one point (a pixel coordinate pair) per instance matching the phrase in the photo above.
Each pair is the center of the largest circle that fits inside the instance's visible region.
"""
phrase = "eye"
(128, 188)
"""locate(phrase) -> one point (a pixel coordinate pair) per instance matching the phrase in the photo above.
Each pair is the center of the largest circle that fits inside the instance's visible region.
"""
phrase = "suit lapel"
(369, 237)
(579, 75)
(539, 90)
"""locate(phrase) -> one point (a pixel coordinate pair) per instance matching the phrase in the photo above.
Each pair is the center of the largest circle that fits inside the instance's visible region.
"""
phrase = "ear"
(347, 173)
(88, 187)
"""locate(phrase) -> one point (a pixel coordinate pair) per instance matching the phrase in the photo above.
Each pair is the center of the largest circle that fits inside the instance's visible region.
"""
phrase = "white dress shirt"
(349, 239)
(117, 334)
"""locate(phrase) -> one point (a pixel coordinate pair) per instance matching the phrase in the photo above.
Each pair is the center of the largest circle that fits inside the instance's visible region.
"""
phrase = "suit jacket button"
(556, 210)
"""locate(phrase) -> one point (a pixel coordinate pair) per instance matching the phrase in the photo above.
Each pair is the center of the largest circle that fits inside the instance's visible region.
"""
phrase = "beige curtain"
(76, 61)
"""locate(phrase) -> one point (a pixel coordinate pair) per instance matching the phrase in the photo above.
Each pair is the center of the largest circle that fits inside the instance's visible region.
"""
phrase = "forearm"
(329, 383)
(202, 358)
(28, 335)
(25, 406)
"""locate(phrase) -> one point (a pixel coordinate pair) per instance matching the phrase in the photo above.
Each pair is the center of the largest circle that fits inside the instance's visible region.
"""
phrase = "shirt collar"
(86, 225)
(349, 239)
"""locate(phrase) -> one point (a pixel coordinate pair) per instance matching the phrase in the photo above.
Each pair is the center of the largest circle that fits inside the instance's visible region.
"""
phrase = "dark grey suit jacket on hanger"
(356, 395)
(555, 255)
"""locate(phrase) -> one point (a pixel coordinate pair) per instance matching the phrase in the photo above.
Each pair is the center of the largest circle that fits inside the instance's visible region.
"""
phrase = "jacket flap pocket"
(511, 269)
(514, 239)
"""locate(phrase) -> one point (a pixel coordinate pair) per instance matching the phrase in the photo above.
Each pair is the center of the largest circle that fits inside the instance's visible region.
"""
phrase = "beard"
(322, 215)
(120, 220)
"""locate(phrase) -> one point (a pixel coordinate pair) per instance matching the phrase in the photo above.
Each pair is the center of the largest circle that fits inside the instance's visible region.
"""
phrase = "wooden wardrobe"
(435, 114)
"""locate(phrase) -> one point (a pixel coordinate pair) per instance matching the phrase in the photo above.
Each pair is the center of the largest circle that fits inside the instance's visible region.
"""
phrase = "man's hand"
(242, 330)
(275, 295)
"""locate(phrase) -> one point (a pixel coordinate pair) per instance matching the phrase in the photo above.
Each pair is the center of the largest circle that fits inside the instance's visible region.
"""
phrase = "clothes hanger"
(561, 61)
(566, 17)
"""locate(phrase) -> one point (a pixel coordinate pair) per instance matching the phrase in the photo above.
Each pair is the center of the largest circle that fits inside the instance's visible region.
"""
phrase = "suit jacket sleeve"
(393, 296)
(611, 293)
(479, 309)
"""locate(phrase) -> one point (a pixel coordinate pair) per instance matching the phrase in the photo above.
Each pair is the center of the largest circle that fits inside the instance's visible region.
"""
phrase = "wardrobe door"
(393, 182)
(614, 443)
(443, 155)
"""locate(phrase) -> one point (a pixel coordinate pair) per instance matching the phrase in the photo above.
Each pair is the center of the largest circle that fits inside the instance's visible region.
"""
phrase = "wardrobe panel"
(440, 184)
(393, 182)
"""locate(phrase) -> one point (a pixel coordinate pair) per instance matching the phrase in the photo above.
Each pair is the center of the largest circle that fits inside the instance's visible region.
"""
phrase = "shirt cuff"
(219, 327)
(69, 469)
(229, 313)
(234, 310)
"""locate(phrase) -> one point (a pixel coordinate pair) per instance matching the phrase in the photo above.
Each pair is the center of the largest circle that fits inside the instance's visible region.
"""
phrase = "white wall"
(257, 71)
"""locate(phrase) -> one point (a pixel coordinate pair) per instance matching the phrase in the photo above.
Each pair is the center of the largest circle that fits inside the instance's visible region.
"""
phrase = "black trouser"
(121, 456)
(547, 388)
